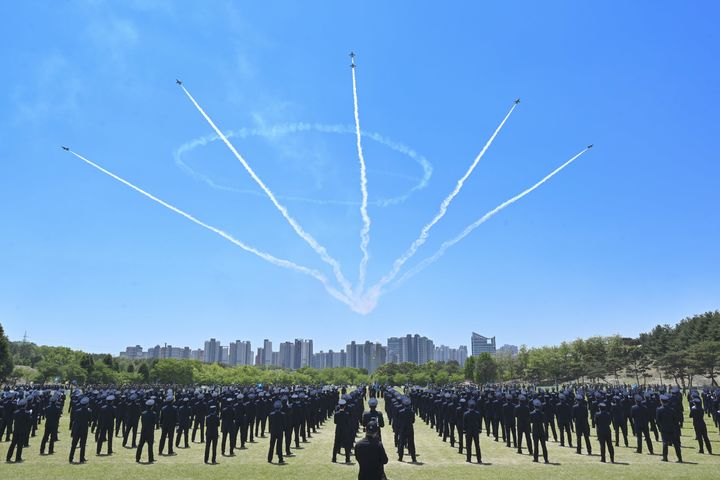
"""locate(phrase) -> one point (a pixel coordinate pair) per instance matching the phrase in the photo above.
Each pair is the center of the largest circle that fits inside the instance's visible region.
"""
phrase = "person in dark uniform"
(132, 417)
(603, 420)
(370, 454)
(641, 424)
(697, 414)
(168, 420)
(562, 413)
(52, 421)
(200, 411)
(522, 420)
(619, 420)
(406, 430)
(106, 424)
(472, 426)
(227, 425)
(147, 431)
(667, 423)
(582, 428)
(539, 434)
(22, 421)
(508, 420)
(212, 422)
(276, 427)
(343, 431)
(459, 412)
(184, 422)
(373, 415)
(80, 426)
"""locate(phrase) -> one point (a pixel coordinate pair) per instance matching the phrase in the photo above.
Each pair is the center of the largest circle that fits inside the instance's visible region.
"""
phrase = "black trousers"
(407, 440)
(620, 425)
(606, 443)
(671, 439)
(50, 433)
(18, 441)
(169, 434)
(211, 443)
(469, 439)
(539, 438)
(641, 431)
(288, 440)
(565, 428)
(342, 441)
(130, 426)
(524, 431)
(82, 441)
(182, 431)
(461, 434)
(702, 435)
(276, 444)
(225, 435)
(104, 433)
(143, 440)
(199, 423)
(583, 432)
(509, 429)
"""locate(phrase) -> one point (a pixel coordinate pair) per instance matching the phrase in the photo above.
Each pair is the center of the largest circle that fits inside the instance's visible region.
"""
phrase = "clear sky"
(624, 238)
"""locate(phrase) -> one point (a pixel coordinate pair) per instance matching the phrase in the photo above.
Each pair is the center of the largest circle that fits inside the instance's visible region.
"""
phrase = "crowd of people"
(522, 417)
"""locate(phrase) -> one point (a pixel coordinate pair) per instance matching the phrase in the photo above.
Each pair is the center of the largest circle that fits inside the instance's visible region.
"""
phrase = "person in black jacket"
(508, 420)
(106, 425)
(472, 426)
(603, 420)
(227, 425)
(562, 412)
(522, 420)
(212, 422)
(669, 429)
(343, 431)
(276, 427)
(168, 420)
(52, 421)
(539, 434)
(370, 454)
(697, 413)
(406, 430)
(147, 431)
(22, 423)
(80, 425)
(132, 417)
(200, 411)
(184, 422)
(582, 428)
(641, 424)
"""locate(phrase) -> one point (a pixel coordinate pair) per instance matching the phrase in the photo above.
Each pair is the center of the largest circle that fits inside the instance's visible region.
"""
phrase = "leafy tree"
(144, 372)
(485, 369)
(638, 363)
(6, 362)
(705, 359)
(469, 369)
(130, 368)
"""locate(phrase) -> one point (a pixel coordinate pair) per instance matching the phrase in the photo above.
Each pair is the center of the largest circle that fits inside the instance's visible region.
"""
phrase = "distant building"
(446, 354)
(508, 350)
(133, 353)
(240, 353)
(267, 352)
(393, 350)
(287, 355)
(480, 344)
(213, 351)
(303, 353)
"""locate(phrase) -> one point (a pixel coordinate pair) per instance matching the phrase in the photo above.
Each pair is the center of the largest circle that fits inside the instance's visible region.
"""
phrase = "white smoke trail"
(285, 129)
(365, 231)
(446, 245)
(425, 232)
(322, 251)
(265, 256)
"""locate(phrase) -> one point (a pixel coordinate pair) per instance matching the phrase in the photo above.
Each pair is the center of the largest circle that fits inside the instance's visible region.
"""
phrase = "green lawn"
(437, 461)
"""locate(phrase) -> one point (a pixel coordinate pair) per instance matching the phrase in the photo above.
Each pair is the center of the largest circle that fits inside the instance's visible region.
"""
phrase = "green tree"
(6, 362)
(144, 372)
(705, 359)
(179, 372)
(638, 363)
(130, 368)
(469, 369)
(485, 369)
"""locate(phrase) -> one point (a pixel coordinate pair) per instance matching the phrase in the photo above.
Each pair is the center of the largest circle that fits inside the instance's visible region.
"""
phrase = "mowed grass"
(436, 460)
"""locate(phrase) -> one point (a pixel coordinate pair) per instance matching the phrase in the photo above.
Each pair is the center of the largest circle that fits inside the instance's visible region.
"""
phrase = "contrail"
(285, 129)
(365, 231)
(322, 251)
(446, 245)
(265, 256)
(425, 232)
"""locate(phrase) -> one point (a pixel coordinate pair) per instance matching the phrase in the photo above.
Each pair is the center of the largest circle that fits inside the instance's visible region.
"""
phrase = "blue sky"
(621, 240)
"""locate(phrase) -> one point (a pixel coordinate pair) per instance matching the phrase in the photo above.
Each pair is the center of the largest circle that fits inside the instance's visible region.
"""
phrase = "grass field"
(436, 460)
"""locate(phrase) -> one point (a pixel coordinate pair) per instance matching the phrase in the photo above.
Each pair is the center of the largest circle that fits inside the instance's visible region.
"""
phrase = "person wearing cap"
(508, 420)
(147, 431)
(539, 433)
(80, 426)
(603, 420)
(132, 417)
(370, 454)
(106, 424)
(276, 427)
(52, 421)
(562, 413)
(212, 422)
(227, 425)
(579, 415)
(373, 415)
(406, 430)
(666, 419)
(697, 414)
(641, 424)
(522, 420)
(459, 412)
(168, 421)
(619, 420)
(22, 421)
(184, 422)
(200, 411)
(343, 431)
(472, 426)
